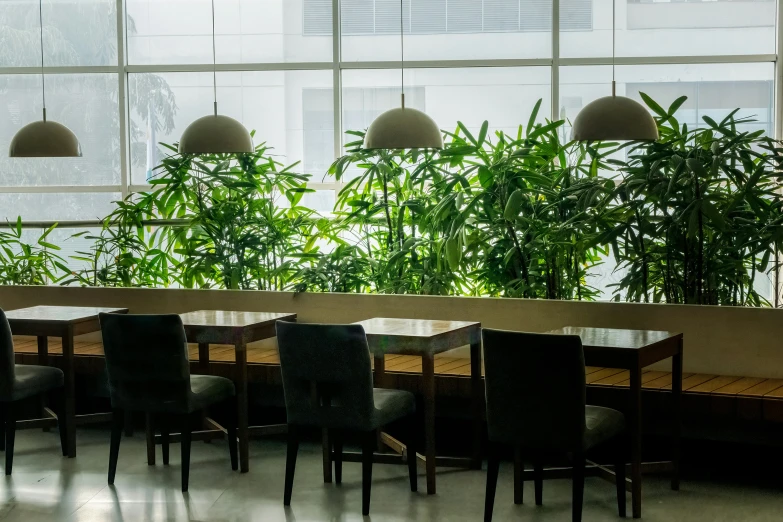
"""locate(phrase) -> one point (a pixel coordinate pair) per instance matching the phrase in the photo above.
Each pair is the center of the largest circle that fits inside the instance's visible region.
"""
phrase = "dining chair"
(327, 382)
(22, 381)
(149, 371)
(535, 393)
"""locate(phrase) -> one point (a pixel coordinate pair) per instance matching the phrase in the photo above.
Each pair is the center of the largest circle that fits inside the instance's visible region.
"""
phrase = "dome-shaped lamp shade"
(614, 118)
(216, 134)
(403, 128)
(45, 139)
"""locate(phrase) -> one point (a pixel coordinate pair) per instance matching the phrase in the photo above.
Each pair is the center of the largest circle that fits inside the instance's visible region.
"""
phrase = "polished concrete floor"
(47, 487)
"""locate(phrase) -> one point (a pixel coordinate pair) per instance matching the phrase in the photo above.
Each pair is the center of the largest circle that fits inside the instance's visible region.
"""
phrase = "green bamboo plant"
(703, 212)
(695, 217)
(25, 263)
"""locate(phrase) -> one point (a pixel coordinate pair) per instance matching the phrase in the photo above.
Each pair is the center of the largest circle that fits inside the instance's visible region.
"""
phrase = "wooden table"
(65, 322)
(426, 339)
(632, 350)
(206, 327)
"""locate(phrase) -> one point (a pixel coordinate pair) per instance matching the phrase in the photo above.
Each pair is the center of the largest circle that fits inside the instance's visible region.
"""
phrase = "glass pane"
(669, 28)
(247, 31)
(63, 207)
(713, 90)
(65, 40)
(87, 104)
(446, 29)
(502, 96)
(273, 103)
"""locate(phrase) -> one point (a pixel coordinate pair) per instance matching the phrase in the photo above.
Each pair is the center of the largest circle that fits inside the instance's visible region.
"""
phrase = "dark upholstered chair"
(148, 367)
(327, 380)
(535, 390)
(21, 381)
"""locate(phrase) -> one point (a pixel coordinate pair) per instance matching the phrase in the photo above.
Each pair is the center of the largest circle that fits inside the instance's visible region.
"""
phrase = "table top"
(59, 314)
(423, 328)
(232, 319)
(418, 336)
(617, 338)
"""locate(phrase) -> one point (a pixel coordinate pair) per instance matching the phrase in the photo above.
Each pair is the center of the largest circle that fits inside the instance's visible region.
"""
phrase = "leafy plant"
(23, 263)
(703, 212)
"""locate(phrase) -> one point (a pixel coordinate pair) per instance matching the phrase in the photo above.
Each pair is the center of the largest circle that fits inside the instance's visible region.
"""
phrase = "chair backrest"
(7, 372)
(327, 378)
(147, 362)
(535, 389)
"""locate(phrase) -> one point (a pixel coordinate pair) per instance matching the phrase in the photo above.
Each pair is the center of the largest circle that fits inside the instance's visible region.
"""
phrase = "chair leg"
(538, 478)
(231, 433)
(519, 481)
(163, 424)
(186, 438)
(493, 468)
(290, 463)
(368, 450)
(149, 430)
(337, 445)
(326, 450)
(117, 423)
(619, 472)
(579, 486)
(412, 456)
(10, 435)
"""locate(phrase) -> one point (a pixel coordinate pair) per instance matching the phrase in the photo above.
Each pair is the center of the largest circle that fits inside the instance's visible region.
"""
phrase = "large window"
(126, 75)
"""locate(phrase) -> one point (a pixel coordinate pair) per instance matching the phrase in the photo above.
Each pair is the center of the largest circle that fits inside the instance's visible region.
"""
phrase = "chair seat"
(207, 390)
(33, 380)
(602, 425)
(391, 405)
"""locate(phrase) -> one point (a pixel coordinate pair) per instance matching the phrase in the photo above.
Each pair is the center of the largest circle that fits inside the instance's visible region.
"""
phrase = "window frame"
(337, 66)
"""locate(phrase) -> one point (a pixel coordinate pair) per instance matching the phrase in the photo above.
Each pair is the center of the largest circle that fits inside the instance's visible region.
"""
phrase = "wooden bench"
(746, 397)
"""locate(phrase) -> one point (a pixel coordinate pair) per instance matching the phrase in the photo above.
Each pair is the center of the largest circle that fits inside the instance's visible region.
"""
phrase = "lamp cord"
(402, 55)
(214, 59)
(43, 76)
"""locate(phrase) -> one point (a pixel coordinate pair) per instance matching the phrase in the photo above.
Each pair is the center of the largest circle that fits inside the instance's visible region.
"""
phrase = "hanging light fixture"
(403, 128)
(215, 134)
(614, 117)
(44, 139)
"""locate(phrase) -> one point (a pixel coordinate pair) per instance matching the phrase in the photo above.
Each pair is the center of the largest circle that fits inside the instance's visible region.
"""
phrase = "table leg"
(380, 380)
(70, 393)
(43, 350)
(428, 388)
(203, 368)
(243, 433)
(676, 415)
(380, 370)
(203, 358)
(478, 407)
(43, 360)
(635, 433)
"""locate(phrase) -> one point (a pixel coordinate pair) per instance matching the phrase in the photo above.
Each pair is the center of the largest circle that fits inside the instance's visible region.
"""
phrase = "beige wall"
(719, 340)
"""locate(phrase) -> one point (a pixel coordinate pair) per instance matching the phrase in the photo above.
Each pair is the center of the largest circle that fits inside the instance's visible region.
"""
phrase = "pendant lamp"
(403, 128)
(44, 139)
(215, 134)
(615, 118)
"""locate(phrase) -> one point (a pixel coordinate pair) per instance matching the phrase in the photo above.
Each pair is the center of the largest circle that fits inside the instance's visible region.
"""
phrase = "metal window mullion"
(337, 90)
(59, 189)
(229, 67)
(778, 116)
(556, 59)
(122, 99)
(669, 60)
(76, 69)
